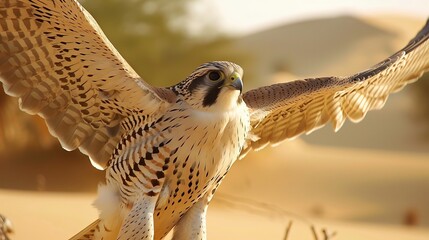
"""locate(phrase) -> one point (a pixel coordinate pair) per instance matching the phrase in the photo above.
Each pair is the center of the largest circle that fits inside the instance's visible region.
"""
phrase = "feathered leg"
(138, 224)
(192, 225)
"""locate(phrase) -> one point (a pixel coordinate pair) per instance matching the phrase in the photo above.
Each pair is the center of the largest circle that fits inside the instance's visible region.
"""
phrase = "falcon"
(166, 150)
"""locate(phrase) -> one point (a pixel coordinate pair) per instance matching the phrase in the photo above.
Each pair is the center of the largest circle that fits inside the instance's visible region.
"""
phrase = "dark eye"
(214, 75)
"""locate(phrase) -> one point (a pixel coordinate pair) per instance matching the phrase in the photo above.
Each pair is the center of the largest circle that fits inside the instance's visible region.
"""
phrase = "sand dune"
(242, 225)
(337, 184)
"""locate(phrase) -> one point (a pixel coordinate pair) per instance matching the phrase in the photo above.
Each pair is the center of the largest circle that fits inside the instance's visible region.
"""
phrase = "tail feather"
(87, 233)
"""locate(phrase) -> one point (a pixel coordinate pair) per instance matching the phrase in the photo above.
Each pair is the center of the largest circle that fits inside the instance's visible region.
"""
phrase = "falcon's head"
(213, 86)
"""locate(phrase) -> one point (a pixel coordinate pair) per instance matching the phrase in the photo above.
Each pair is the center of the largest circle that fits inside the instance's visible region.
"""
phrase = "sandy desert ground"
(337, 189)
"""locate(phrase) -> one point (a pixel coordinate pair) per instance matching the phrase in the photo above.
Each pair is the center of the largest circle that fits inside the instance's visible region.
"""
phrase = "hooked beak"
(234, 81)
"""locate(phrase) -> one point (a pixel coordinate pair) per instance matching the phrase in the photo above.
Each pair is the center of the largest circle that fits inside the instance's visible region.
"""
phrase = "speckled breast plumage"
(182, 155)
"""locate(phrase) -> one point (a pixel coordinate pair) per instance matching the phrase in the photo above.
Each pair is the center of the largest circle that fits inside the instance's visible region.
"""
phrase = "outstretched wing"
(285, 110)
(56, 59)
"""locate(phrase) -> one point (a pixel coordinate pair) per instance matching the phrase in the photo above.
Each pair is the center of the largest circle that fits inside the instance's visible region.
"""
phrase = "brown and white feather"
(56, 59)
(5, 228)
(286, 110)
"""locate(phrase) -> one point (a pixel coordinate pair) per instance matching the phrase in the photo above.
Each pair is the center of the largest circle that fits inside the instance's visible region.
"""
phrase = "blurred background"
(368, 181)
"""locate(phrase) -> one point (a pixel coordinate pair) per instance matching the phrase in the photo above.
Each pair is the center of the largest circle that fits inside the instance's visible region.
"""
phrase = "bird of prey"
(166, 150)
(5, 228)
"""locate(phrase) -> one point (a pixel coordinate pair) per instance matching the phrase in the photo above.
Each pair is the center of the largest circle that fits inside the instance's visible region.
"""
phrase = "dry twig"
(287, 230)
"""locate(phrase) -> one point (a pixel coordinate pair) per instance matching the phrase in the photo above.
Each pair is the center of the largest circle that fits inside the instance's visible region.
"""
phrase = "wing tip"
(96, 165)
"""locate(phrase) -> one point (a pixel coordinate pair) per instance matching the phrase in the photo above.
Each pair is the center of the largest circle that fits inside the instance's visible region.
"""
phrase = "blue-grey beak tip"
(237, 84)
